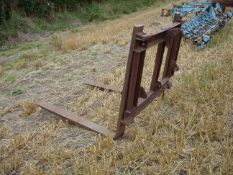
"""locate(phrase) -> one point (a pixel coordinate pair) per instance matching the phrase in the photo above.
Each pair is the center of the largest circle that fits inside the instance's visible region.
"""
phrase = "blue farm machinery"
(205, 18)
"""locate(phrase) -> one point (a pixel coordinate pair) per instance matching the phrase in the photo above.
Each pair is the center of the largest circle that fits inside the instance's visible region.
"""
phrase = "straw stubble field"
(187, 131)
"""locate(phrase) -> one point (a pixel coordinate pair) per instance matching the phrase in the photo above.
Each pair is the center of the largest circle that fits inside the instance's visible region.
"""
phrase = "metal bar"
(133, 81)
(173, 45)
(156, 36)
(172, 66)
(131, 103)
(139, 89)
(169, 43)
(74, 119)
(149, 40)
(143, 103)
(120, 125)
(102, 86)
(178, 42)
(158, 62)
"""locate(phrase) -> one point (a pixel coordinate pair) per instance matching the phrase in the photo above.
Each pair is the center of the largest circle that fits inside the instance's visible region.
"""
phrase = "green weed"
(7, 78)
(17, 91)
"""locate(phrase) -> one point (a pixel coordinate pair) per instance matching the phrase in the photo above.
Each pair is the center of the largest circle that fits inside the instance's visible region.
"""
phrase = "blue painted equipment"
(194, 7)
(209, 18)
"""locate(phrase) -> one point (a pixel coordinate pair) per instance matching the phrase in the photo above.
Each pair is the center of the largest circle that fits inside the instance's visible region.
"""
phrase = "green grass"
(22, 61)
(15, 25)
(7, 66)
(17, 91)
(28, 46)
(7, 78)
(72, 20)
(220, 36)
(115, 8)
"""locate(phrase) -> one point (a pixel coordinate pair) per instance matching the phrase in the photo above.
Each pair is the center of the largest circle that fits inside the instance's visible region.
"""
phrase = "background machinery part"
(208, 17)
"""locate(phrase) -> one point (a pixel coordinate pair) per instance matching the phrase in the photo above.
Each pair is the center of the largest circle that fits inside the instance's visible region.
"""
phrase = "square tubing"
(131, 103)
(173, 44)
(120, 126)
(155, 84)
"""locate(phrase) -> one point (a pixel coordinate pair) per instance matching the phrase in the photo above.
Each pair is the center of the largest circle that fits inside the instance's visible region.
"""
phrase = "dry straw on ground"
(37, 64)
(188, 131)
(27, 107)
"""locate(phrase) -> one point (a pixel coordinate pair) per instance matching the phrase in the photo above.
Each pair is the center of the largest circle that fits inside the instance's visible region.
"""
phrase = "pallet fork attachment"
(134, 97)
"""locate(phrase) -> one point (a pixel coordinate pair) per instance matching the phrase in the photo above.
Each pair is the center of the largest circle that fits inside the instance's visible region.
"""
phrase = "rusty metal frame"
(134, 97)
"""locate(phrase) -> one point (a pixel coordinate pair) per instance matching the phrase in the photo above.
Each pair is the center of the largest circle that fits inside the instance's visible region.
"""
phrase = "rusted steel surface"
(120, 125)
(75, 119)
(143, 103)
(226, 3)
(102, 86)
(145, 41)
(134, 98)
